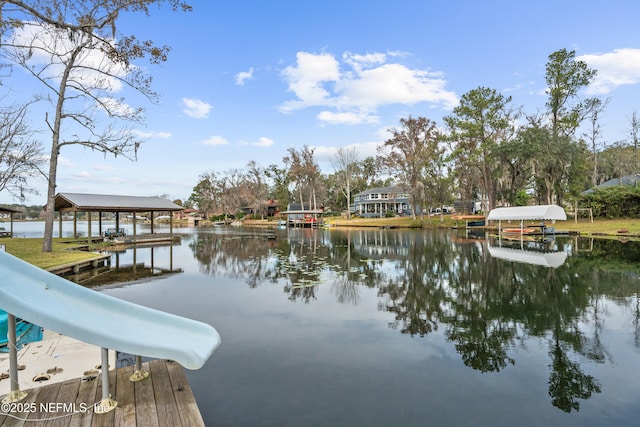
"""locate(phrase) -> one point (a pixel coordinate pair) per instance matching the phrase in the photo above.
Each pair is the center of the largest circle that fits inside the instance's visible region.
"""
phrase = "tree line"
(487, 149)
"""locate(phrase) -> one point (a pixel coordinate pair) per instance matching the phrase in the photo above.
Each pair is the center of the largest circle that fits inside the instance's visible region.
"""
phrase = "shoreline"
(615, 228)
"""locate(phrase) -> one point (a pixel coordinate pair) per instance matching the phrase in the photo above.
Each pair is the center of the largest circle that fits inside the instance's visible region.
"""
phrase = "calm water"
(403, 327)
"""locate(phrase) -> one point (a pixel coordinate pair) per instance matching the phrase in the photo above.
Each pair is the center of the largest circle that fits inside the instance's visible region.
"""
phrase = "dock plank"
(125, 412)
(47, 394)
(146, 412)
(165, 398)
(60, 416)
(168, 412)
(185, 399)
(108, 419)
(17, 418)
(86, 395)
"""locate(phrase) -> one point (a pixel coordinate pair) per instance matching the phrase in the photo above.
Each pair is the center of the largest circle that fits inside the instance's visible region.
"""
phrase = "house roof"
(8, 210)
(616, 182)
(112, 203)
(378, 190)
(538, 212)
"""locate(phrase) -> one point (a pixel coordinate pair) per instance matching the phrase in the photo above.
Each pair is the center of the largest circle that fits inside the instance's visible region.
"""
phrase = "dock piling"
(106, 404)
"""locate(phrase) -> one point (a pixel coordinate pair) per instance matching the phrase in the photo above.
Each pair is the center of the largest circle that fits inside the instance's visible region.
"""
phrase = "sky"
(248, 79)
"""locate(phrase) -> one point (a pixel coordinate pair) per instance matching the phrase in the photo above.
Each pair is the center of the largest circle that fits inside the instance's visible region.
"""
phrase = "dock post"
(106, 404)
(139, 374)
(15, 395)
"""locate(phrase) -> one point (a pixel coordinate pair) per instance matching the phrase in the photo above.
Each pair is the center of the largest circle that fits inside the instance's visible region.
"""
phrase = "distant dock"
(163, 399)
(100, 260)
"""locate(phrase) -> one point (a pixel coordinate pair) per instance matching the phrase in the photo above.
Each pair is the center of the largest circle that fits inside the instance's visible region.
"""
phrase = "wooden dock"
(163, 399)
(75, 267)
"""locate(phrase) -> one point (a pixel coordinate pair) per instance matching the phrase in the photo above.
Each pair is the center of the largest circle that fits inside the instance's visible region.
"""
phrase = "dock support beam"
(15, 395)
(106, 404)
(139, 374)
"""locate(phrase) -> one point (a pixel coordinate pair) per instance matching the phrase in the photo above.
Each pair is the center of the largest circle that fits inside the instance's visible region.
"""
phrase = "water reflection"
(488, 307)
(130, 265)
(536, 255)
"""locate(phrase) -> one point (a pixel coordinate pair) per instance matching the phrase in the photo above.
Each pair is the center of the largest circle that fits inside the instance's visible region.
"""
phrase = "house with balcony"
(376, 202)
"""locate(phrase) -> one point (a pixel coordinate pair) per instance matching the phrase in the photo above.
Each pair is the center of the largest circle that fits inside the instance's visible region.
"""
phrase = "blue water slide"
(48, 300)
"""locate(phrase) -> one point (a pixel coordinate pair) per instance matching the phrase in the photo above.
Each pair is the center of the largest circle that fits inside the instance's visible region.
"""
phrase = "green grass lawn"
(30, 250)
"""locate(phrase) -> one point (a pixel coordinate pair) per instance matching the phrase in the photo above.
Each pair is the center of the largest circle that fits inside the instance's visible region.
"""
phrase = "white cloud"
(263, 142)
(113, 180)
(148, 135)
(395, 84)
(215, 140)
(307, 79)
(65, 162)
(115, 107)
(617, 68)
(244, 76)
(354, 89)
(346, 117)
(103, 168)
(358, 62)
(82, 174)
(195, 108)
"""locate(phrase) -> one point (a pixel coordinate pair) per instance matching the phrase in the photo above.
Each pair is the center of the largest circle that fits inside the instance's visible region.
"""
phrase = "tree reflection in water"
(431, 281)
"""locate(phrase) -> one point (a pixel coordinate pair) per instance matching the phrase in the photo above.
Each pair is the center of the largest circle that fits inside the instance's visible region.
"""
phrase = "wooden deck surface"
(163, 399)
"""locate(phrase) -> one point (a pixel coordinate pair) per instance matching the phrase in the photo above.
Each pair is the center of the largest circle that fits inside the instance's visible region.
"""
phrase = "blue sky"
(245, 80)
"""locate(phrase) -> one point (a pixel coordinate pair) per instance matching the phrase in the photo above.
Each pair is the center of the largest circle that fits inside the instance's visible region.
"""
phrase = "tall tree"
(345, 165)
(481, 121)
(304, 172)
(408, 154)
(595, 106)
(73, 49)
(279, 185)
(206, 194)
(256, 188)
(566, 77)
(634, 136)
(516, 158)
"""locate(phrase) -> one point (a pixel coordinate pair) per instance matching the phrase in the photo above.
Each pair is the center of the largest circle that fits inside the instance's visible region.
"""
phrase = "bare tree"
(595, 106)
(346, 165)
(634, 135)
(305, 173)
(256, 189)
(72, 48)
(20, 155)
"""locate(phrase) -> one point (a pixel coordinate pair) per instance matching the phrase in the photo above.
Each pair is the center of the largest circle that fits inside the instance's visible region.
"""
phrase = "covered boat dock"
(3, 231)
(528, 213)
(90, 203)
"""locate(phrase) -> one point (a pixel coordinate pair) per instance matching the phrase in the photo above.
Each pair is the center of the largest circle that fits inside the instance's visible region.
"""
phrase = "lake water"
(393, 327)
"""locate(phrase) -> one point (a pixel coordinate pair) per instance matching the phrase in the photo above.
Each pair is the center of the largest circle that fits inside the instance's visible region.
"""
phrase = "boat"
(519, 230)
